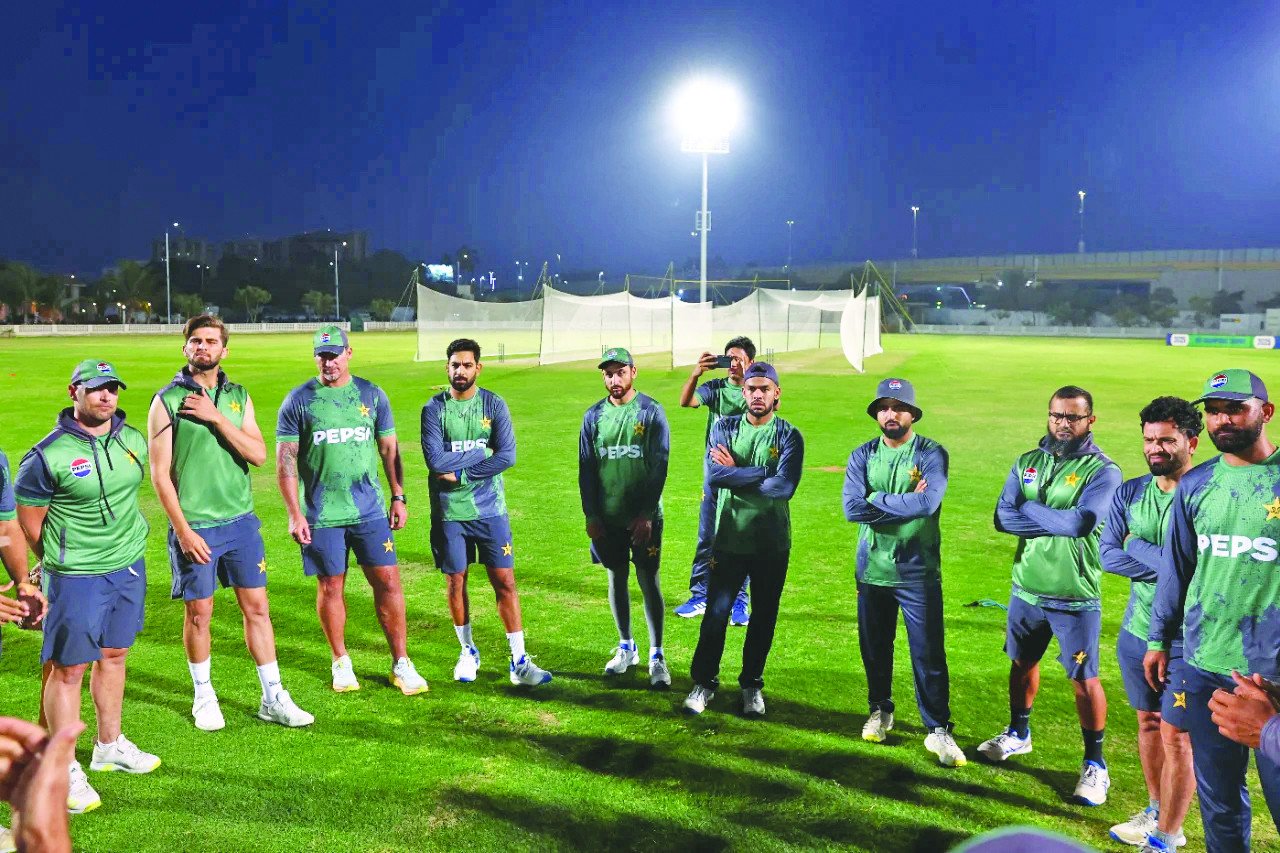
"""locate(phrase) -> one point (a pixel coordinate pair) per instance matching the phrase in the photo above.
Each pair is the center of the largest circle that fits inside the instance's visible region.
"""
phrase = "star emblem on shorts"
(235, 407)
(388, 546)
(653, 550)
(638, 429)
(507, 550)
(712, 562)
(364, 410)
(1073, 478)
(1080, 656)
(1273, 509)
(262, 566)
(774, 452)
(1180, 699)
(485, 423)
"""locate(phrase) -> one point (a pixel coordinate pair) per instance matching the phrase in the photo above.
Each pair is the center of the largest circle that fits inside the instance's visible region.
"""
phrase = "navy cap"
(761, 370)
(898, 390)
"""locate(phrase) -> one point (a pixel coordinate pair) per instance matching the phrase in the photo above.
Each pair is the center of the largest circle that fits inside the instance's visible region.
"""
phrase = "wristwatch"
(399, 498)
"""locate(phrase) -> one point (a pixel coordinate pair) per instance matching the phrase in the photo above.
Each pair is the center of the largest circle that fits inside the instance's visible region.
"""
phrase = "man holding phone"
(721, 398)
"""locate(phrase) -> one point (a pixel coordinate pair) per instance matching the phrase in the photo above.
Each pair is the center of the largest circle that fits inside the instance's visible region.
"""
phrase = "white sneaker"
(752, 702)
(1091, 790)
(624, 657)
(877, 726)
(404, 676)
(468, 664)
(525, 671)
(1135, 830)
(344, 677)
(659, 674)
(1004, 745)
(124, 755)
(285, 712)
(696, 701)
(7, 844)
(1149, 844)
(81, 797)
(942, 744)
(207, 713)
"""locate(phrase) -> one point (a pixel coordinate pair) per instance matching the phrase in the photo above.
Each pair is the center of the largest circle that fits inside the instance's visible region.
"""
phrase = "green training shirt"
(622, 460)
(212, 480)
(475, 441)
(721, 398)
(753, 514)
(90, 485)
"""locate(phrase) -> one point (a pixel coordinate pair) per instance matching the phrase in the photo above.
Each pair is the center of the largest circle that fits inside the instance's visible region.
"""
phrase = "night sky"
(530, 129)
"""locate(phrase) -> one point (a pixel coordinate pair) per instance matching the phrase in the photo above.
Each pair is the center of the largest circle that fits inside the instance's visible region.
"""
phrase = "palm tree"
(19, 286)
(132, 285)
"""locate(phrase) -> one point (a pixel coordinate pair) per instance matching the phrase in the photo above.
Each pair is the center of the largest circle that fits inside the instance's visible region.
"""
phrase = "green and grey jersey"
(1220, 582)
(337, 431)
(1131, 545)
(622, 460)
(1056, 507)
(899, 539)
(753, 514)
(211, 478)
(90, 485)
(8, 507)
(721, 398)
(475, 441)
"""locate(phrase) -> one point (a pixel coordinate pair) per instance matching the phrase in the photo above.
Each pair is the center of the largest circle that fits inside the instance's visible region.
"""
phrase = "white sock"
(656, 652)
(516, 640)
(201, 676)
(464, 635)
(269, 677)
(627, 643)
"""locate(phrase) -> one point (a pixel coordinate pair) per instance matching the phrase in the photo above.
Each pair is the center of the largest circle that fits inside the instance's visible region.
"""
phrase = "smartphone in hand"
(724, 362)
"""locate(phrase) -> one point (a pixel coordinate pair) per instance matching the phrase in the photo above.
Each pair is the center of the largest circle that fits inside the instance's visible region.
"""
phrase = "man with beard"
(203, 437)
(331, 433)
(77, 495)
(755, 461)
(468, 441)
(622, 467)
(721, 398)
(1220, 587)
(1055, 500)
(893, 487)
(1131, 547)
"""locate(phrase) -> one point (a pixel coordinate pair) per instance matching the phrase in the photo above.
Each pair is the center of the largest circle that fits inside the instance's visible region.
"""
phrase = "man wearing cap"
(1131, 547)
(622, 466)
(755, 460)
(893, 487)
(1220, 587)
(77, 496)
(468, 441)
(331, 433)
(1055, 501)
(721, 398)
(203, 437)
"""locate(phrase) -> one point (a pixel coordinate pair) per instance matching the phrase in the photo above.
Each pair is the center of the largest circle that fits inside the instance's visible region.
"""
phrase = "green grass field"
(585, 763)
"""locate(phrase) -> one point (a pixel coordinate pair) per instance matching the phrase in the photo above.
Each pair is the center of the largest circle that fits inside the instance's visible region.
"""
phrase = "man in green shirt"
(893, 487)
(755, 461)
(77, 495)
(622, 467)
(1055, 501)
(331, 434)
(203, 436)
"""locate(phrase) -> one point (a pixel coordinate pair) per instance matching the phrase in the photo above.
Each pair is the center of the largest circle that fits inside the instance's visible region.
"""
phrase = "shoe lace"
(1091, 774)
(127, 747)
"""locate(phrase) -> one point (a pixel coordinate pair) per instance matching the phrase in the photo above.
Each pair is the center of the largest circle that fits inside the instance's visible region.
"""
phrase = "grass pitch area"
(609, 764)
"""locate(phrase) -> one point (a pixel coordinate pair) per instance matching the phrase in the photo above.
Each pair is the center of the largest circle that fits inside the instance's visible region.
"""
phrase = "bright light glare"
(707, 108)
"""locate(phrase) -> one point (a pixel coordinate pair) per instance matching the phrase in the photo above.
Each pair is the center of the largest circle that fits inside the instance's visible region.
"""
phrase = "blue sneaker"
(695, 606)
(739, 617)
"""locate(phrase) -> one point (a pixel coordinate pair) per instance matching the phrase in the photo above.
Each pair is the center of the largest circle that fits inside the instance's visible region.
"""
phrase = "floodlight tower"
(1080, 245)
(915, 245)
(706, 111)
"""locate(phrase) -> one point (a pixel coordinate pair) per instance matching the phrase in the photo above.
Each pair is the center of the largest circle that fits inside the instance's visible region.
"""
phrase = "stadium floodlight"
(706, 111)
(1080, 246)
(915, 245)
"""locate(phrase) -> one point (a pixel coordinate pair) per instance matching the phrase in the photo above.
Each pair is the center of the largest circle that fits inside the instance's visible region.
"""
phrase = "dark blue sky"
(527, 129)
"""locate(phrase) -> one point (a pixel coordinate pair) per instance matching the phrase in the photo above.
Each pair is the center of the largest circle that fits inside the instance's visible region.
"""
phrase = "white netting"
(853, 324)
(871, 344)
(583, 327)
(501, 328)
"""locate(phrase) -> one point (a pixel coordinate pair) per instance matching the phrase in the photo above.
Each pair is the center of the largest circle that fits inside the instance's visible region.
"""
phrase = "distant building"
(313, 246)
(187, 249)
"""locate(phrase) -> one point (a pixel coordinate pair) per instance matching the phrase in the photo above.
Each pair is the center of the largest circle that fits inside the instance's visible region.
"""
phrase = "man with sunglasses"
(1055, 501)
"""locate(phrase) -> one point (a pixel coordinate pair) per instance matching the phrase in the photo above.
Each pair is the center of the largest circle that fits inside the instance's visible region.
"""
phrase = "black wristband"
(399, 498)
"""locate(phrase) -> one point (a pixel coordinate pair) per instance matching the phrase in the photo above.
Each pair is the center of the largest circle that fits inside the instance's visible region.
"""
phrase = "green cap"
(616, 355)
(1233, 384)
(93, 373)
(330, 339)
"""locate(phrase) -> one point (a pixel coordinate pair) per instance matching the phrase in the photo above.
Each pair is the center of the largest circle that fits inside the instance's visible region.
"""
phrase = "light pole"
(706, 111)
(790, 222)
(915, 246)
(1080, 245)
(337, 293)
(201, 268)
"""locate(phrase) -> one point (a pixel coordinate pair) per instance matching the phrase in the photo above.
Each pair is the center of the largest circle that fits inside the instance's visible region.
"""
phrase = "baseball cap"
(330, 339)
(616, 355)
(761, 369)
(93, 373)
(898, 390)
(1233, 384)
